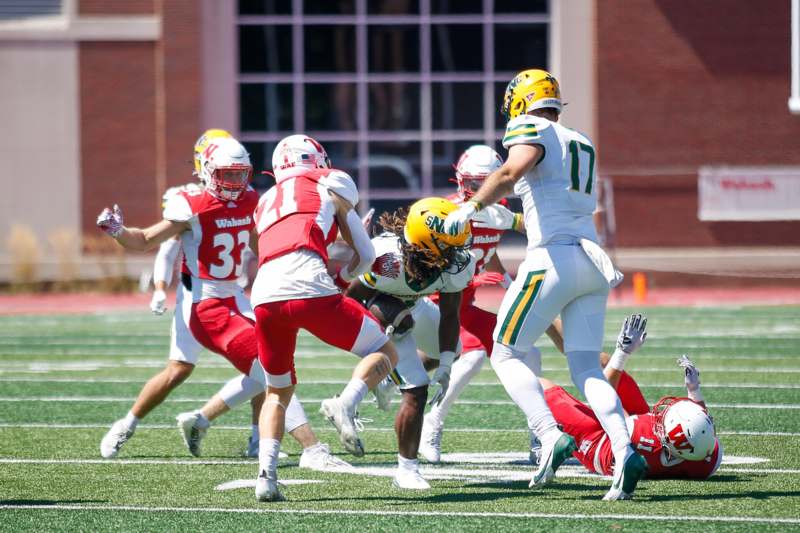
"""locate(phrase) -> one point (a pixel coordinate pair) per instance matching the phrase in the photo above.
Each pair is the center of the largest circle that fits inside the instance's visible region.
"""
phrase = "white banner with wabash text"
(749, 193)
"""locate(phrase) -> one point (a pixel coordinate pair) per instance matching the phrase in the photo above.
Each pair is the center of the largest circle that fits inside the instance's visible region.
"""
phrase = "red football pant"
(477, 327)
(335, 319)
(219, 326)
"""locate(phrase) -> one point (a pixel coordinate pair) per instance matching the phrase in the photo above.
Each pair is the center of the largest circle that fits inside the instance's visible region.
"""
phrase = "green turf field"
(65, 379)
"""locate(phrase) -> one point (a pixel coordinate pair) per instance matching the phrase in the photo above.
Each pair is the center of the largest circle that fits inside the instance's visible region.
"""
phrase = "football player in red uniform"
(676, 437)
(295, 221)
(477, 324)
(213, 223)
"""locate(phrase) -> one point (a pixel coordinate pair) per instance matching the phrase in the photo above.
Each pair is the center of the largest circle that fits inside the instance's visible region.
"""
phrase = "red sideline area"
(488, 297)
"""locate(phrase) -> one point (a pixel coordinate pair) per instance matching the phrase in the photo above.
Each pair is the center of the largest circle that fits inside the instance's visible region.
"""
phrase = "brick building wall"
(683, 84)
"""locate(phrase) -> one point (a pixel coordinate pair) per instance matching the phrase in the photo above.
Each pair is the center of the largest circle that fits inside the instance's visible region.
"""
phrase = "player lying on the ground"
(296, 220)
(415, 259)
(213, 224)
(676, 437)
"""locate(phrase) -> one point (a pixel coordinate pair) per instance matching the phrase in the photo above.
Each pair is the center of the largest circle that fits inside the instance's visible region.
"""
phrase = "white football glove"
(456, 221)
(158, 304)
(441, 377)
(110, 221)
(691, 374)
(494, 217)
(633, 334)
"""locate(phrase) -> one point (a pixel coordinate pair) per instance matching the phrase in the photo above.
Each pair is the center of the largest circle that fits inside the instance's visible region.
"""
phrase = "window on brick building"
(394, 89)
(22, 9)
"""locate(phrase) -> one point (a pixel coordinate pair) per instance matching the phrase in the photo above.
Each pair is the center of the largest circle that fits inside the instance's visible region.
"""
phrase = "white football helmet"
(474, 166)
(685, 428)
(297, 151)
(225, 168)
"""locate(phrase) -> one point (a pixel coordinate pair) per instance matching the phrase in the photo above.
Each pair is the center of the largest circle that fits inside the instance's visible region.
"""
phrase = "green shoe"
(552, 459)
(624, 484)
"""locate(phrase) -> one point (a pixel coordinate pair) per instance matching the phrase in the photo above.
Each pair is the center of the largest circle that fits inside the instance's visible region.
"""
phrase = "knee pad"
(295, 415)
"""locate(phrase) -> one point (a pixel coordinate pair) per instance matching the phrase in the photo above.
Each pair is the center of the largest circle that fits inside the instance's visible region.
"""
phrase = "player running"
(213, 223)
(295, 221)
(676, 437)
(552, 168)
(415, 259)
(477, 324)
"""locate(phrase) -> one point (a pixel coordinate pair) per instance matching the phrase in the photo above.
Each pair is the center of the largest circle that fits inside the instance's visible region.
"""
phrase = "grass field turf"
(64, 379)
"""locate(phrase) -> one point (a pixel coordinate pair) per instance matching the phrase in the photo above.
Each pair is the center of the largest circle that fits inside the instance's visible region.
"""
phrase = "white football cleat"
(535, 454)
(320, 458)
(253, 446)
(383, 392)
(267, 489)
(336, 413)
(626, 478)
(115, 438)
(190, 426)
(409, 479)
(430, 443)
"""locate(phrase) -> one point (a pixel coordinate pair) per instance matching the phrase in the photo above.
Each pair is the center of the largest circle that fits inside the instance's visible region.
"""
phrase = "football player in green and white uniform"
(416, 258)
(552, 168)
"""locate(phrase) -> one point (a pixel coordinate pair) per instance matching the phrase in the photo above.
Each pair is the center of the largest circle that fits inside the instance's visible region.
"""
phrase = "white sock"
(463, 370)
(131, 420)
(254, 432)
(407, 464)
(524, 388)
(312, 447)
(600, 395)
(353, 393)
(268, 457)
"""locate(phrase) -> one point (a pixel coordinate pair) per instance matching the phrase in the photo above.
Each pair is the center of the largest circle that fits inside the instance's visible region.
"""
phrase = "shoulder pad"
(525, 129)
(342, 184)
(177, 209)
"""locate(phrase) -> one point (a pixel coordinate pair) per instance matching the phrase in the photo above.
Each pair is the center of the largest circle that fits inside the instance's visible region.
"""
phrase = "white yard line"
(405, 513)
(104, 399)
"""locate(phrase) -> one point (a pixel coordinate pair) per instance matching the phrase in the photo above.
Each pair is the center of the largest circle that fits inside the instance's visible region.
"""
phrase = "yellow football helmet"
(202, 143)
(424, 226)
(531, 89)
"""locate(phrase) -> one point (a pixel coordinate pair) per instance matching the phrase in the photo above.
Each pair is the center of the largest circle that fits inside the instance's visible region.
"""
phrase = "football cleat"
(409, 479)
(191, 427)
(535, 454)
(334, 410)
(626, 478)
(253, 446)
(115, 438)
(551, 459)
(383, 392)
(267, 489)
(320, 458)
(430, 443)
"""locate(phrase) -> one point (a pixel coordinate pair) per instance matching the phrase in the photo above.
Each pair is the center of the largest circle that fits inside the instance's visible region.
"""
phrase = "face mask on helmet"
(298, 151)
(473, 167)
(424, 228)
(685, 429)
(226, 168)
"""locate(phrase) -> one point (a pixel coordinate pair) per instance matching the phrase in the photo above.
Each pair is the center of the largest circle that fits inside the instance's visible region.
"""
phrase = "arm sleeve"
(165, 260)
(342, 184)
(362, 245)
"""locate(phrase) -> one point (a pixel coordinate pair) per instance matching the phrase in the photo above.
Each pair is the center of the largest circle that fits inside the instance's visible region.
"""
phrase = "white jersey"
(559, 195)
(389, 276)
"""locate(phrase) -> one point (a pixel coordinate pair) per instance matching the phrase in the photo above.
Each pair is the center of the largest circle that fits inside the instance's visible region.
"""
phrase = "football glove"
(441, 377)
(494, 217)
(110, 221)
(456, 221)
(691, 375)
(633, 334)
(158, 304)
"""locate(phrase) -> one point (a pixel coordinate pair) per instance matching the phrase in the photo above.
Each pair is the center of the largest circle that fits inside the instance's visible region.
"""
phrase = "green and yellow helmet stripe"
(515, 316)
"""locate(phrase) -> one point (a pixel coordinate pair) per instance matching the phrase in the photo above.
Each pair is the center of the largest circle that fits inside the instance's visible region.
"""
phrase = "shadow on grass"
(755, 495)
(48, 503)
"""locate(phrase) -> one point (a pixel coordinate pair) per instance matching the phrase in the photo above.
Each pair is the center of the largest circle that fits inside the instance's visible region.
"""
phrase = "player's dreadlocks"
(420, 263)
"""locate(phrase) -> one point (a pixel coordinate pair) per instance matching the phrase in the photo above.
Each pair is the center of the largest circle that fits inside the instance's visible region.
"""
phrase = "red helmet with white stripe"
(297, 151)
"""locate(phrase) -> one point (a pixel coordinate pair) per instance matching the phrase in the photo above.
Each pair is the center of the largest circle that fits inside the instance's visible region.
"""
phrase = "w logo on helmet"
(678, 438)
(435, 223)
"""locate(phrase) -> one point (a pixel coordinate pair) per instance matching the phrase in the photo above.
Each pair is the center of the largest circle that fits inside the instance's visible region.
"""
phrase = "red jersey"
(220, 231)
(297, 213)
